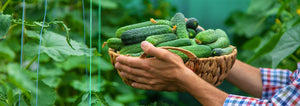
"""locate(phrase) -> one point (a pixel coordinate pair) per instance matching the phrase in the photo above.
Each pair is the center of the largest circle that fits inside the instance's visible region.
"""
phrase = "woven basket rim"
(234, 52)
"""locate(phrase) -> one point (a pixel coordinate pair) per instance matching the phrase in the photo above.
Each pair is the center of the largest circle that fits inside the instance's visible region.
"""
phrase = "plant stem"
(295, 58)
(46, 25)
(4, 6)
(31, 62)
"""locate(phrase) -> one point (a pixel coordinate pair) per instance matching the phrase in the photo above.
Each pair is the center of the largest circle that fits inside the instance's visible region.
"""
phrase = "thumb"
(153, 51)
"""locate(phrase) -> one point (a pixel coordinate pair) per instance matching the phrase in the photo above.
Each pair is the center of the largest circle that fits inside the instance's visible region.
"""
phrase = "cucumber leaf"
(252, 43)
(55, 46)
(264, 7)
(269, 46)
(96, 100)
(46, 95)
(74, 62)
(287, 44)
(19, 78)
(5, 21)
(33, 34)
(6, 52)
(83, 84)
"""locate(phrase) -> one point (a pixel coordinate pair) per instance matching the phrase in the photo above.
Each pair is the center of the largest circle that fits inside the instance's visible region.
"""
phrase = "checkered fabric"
(280, 88)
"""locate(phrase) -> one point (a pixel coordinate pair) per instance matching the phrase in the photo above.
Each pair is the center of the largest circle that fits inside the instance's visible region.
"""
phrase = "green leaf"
(245, 24)
(2, 78)
(96, 100)
(10, 96)
(288, 63)
(269, 46)
(261, 6)
(6, 52)
(126, 98)
(83, 84)
(111, 101)
(46, 95)
(50, 75)
(252, 43)
(108, 32)
(52, 81)
(3, 103)
(22, 102)
(32, 34)
(287, 44)
(79, 62)
(55, 46)
(50, 71)
(19, 78)
(170, 95)
(5, 21)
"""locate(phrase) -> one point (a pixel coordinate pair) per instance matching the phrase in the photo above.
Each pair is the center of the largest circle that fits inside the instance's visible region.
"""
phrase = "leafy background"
(266, 33)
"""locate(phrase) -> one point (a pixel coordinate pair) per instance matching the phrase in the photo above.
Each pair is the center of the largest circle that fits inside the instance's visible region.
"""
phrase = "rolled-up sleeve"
(273, 80)
(280, 87)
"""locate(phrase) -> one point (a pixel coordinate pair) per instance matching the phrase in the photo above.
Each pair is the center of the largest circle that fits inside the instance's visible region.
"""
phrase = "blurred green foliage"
(267, 25)
(267, 34)
(62, 75)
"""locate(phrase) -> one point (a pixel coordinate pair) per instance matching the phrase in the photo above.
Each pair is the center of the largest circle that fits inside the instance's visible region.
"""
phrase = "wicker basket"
(213, 69)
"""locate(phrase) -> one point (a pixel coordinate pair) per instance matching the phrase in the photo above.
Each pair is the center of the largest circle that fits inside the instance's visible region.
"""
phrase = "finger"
(132, 70)
(154, 87)
(132, 61)
(135, 78)
(153, 51)
(142, 86)
(172, 89)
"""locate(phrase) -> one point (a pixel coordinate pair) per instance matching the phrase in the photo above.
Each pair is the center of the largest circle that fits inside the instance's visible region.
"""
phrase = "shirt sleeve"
(280, 87)
(273, 80)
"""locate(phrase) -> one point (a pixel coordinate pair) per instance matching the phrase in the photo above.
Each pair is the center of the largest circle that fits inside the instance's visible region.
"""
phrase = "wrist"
(204, 92)
(185, 77)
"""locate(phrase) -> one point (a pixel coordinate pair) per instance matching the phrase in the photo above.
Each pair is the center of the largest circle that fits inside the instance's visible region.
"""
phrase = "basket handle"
(190, 55)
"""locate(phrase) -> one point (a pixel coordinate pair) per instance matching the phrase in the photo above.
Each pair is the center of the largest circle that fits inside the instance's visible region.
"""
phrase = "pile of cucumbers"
(177, 32)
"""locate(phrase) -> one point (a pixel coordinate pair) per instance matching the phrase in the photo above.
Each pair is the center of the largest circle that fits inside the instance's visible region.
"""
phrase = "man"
(167, 72)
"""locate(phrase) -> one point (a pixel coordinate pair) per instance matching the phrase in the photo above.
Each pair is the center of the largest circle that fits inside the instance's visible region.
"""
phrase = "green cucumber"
(221, 33)
(191, 32)
(201, 51)
(163, 22)
(198, 30)
(179, 20)
(193, 42)
(221, 51)
(213, 38)
(130, 49)
(121, 30)
(221, 42)
(140, 34)
(192, 23)
(206, 37)
(176, 43)
(157, 39)
(115, 43)
(136, 54)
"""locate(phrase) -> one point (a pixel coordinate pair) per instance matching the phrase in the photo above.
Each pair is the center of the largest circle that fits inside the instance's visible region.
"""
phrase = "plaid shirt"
(280, 88)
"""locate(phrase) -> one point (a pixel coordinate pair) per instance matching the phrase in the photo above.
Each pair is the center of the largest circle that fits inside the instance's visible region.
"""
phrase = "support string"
(85, 48)
(99, 47)
(22, 35)
(91, 34)
(38, 61)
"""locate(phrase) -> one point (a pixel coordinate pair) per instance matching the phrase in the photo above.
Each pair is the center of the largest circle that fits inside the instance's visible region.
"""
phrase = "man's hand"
(167, 72)
(161, 73)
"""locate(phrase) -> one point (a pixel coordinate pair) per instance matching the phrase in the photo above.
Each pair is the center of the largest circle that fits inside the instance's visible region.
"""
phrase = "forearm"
(246, 77)
(204, 92)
